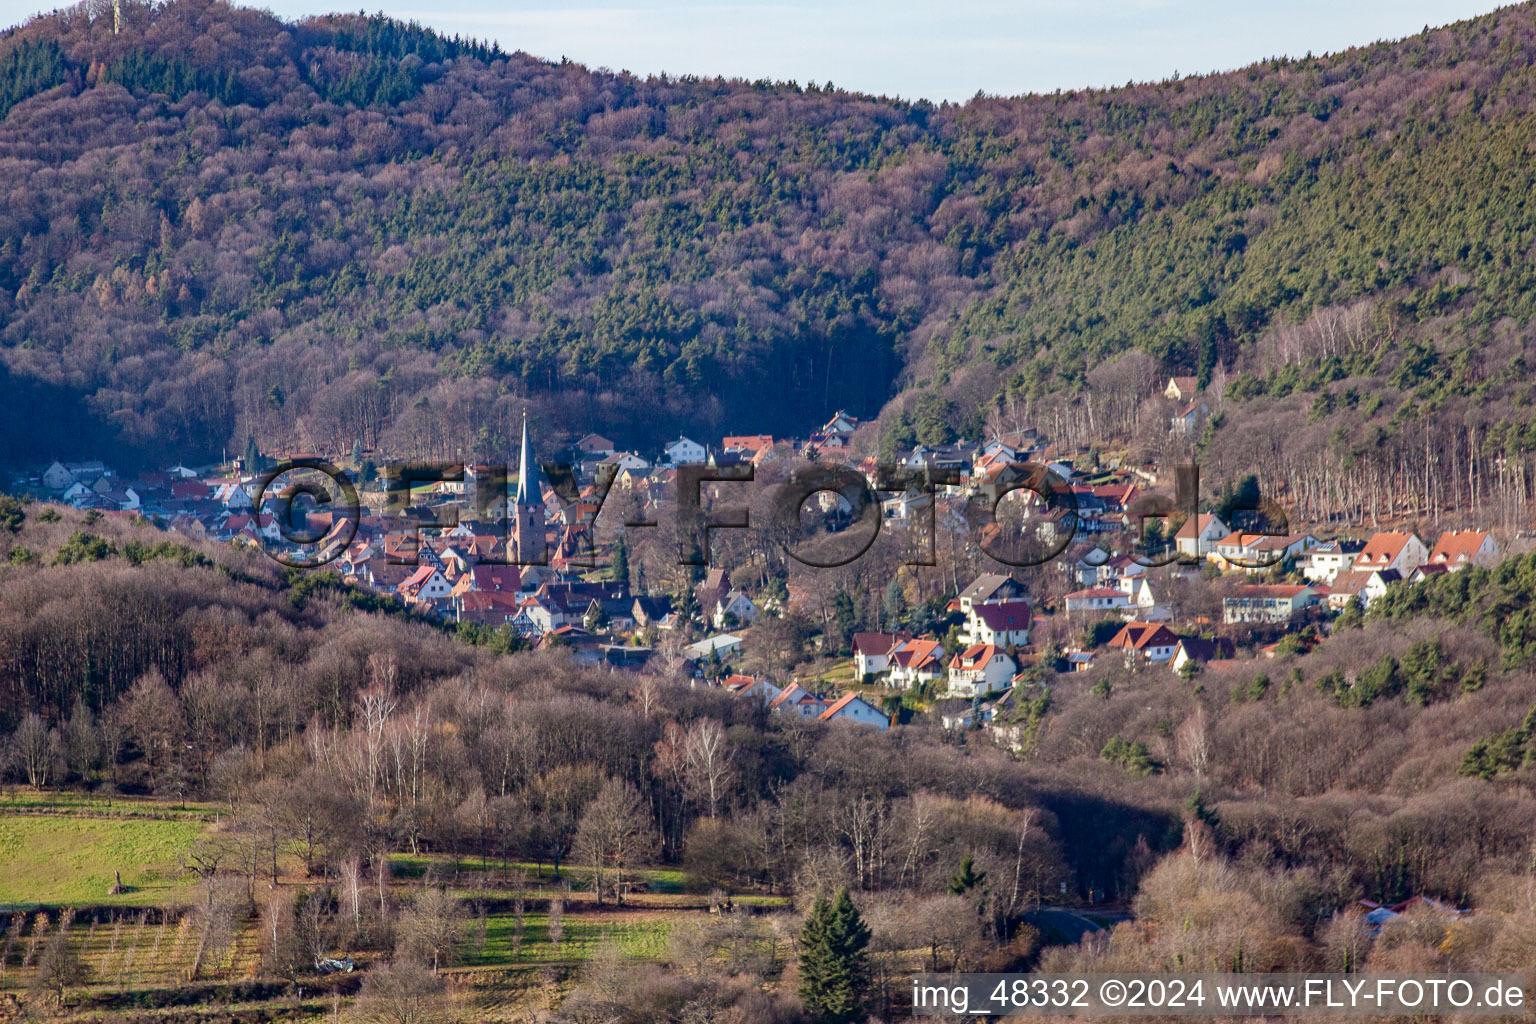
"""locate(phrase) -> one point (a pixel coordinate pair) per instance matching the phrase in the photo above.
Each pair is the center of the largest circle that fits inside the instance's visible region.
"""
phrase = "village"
(1222, 591)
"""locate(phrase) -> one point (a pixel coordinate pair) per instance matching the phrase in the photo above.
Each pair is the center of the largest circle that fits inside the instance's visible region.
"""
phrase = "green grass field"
(643, 937)
(71, 859)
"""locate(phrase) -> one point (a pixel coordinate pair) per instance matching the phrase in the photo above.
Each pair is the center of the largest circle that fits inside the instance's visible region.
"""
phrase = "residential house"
(751, 686)
(1401, 551)
(850, 707)
(746, 444)
(486, 608)
(980, 669)
(233, 495)
(840, 424)
(1365, 584)
(684, 452)
(648, 611)
(489, 578)
(1096, 601)
(1146, 642)
(1142, 601)
(1257, 552)
(1181, 389)
(870, 652)
(724, 644)
(426, 584)
(1328, 559)
(1199, 534)
(1267, 602)
(990, 588)
(626, 462)
(1197, 651)
(595, 444)
(737, 606)
(1189, 419)
(57, 476)
(1460, 549)
(911, 663)
(1004, 624)
(795, 699)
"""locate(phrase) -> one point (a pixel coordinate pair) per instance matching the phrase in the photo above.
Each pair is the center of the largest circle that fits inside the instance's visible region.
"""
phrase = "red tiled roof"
(1141, 635)
(1457, 548)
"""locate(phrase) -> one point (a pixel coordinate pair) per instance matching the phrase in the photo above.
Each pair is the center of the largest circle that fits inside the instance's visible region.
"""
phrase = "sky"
(937, 51)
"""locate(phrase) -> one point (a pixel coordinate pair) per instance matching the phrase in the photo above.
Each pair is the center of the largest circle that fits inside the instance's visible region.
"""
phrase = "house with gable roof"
(1003, 624)
(1401, 551)
(980, 669)
(850, 707)
(1457, 550)
(1146, 642)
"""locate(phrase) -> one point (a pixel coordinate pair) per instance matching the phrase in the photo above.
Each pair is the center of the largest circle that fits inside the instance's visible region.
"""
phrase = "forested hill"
(219, 225)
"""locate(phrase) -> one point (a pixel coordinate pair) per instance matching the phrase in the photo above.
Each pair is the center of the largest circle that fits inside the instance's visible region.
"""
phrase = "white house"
(1096, 601)
(182, 472)
(1457, 550)
(1189, 419)
(427, 583)
(738, 604)
(850, 707)
(1005, 624)
(1199, 535)
(797, 700)
(1366, 584)
(1146, 642)
(1141, 602)
(232, 495)
(1269, 603)
(980, 669)
(870, 651)
(1401, 551)
(751, 686)
(684, 452)
(914, 662)
(1327, 560)
(57, 477)
(1199, 651)
(626, 461)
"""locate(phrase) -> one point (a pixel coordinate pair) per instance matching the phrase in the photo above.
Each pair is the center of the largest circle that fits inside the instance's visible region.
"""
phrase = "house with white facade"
(1267, 602)
(914, 662)
(1328, 559)
(980, 669)
(850, 707)
(1401, 551)
(871, 650)
(1005, 624)
(1457, 550)
(1199, 534)
(1145, 642)
(685, 452)
(1096, 601)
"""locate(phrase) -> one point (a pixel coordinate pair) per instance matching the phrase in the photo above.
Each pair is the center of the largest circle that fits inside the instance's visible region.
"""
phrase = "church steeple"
(527, 511)
(530, 489)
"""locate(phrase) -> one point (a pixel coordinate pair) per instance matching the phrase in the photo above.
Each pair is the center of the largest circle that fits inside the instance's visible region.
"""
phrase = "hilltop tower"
(528, 507)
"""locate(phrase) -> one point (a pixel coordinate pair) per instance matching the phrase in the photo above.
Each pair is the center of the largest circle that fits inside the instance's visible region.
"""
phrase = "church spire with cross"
(528, 507)
(530, 489)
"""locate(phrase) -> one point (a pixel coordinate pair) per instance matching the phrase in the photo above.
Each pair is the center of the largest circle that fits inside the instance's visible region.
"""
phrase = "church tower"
(528, 508)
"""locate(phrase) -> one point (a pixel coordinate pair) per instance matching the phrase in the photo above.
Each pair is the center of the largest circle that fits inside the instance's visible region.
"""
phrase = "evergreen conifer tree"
(833, 969)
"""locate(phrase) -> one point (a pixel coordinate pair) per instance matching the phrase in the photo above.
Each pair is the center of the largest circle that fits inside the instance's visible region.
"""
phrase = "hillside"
(219, 225)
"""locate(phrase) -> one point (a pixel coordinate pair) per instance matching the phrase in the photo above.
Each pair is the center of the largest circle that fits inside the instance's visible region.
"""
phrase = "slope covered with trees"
(219, 225)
